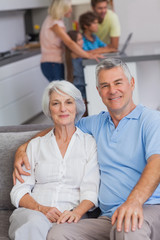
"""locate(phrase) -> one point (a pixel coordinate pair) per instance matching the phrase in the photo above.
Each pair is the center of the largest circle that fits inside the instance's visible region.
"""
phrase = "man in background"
(109, 26)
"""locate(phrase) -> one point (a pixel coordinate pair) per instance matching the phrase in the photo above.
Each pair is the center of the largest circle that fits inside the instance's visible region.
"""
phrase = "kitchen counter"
(19, 55)
(136, 52)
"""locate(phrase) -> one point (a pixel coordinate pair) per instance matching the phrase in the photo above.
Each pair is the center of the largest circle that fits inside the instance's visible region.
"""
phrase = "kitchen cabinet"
(30, 4)
(21, 88)
(76, 2)
(22, 4)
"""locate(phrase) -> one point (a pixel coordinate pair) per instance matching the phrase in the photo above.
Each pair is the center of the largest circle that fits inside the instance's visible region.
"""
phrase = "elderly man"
(128, 144)
(109, 26)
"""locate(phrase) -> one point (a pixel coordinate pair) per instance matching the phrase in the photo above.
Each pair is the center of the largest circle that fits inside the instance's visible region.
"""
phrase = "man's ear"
(98, 91)
(132, 83)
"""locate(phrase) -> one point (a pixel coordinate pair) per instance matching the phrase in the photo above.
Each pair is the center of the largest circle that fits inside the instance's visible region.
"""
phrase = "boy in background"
(89, 25)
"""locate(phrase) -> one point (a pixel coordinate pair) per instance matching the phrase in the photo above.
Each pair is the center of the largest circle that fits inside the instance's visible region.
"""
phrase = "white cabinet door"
(21, 92)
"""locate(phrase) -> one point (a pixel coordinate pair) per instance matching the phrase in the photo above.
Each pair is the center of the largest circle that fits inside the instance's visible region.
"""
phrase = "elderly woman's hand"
(52, 213)
(69, 216)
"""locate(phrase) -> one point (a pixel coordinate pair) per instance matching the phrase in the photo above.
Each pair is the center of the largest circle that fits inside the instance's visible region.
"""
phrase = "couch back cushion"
(9, 142)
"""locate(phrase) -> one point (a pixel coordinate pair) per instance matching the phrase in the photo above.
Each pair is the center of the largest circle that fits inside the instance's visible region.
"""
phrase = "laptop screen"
(126, 43)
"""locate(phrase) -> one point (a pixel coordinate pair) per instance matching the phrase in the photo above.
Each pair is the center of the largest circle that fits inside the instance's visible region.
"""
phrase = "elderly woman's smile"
(62, 108)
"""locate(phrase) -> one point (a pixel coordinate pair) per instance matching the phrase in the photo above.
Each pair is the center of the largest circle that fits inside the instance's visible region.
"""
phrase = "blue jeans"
(53, 71)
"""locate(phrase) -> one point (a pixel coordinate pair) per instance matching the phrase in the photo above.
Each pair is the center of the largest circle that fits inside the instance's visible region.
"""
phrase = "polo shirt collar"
(135, 114)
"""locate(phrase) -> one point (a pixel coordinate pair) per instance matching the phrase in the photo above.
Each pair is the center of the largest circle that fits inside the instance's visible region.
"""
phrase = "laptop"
(122, 51)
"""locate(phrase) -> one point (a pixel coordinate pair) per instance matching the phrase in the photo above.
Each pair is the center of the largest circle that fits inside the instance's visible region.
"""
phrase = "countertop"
(20, 55)
(135, 52)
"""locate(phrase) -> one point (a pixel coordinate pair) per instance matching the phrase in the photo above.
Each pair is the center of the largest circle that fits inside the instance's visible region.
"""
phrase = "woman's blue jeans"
(53, 71)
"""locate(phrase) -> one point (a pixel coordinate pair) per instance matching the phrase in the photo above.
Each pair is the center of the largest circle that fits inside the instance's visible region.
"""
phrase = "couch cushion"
(9, 142)
(4, 224)
(24, 128)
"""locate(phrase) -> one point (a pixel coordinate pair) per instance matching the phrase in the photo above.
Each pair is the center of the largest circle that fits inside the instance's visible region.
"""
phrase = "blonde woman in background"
(52, 37)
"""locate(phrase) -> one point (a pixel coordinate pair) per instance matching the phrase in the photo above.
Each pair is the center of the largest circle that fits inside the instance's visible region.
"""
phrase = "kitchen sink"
(17, 55)
(10, 54)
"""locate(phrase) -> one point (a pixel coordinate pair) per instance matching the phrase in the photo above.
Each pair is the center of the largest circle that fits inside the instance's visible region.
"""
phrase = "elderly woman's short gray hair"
(67, 88)
(110, 63)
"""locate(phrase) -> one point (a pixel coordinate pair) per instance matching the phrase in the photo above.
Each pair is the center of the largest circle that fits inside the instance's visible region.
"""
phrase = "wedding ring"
(135, 213)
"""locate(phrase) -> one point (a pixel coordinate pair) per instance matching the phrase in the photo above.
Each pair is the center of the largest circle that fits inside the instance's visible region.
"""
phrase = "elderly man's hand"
(131, 214)
(52, 213)
(20, 160)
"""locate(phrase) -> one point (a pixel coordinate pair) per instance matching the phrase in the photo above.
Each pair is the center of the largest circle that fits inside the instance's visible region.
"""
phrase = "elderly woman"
(64, 177)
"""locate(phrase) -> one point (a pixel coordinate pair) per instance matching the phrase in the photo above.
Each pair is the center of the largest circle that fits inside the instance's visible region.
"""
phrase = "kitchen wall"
(38, 15)
(12, 29)
(141, 17)
(15, 26)
(79, 9)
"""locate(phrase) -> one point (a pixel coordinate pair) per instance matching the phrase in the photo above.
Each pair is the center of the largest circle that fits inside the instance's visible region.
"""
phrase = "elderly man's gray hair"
(63, 87)
(110, 63)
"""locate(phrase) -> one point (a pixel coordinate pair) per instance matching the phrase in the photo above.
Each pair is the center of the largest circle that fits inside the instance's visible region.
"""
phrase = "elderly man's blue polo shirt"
(123, 153)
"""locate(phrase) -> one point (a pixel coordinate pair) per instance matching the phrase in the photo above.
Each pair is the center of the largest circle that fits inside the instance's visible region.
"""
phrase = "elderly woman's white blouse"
(56, 181)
